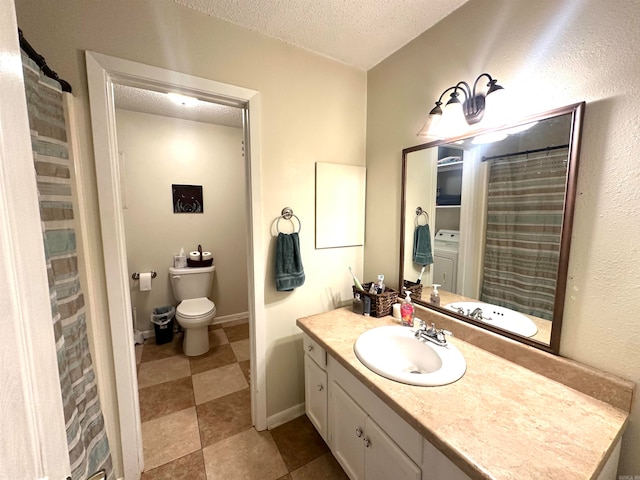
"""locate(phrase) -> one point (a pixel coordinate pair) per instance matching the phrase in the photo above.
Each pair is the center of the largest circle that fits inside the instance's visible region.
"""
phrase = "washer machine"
(445, 259)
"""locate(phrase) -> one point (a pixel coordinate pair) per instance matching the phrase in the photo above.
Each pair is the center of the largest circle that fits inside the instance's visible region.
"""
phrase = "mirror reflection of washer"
(445, 259)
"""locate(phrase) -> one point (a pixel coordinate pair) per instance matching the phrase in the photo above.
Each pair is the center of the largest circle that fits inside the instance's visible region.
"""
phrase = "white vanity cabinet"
(363, 449)
(315, 385)
(369, 439)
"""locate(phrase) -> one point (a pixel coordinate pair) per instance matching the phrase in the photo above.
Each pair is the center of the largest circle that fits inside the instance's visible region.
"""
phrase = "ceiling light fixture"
(182, 99)
(472, 108)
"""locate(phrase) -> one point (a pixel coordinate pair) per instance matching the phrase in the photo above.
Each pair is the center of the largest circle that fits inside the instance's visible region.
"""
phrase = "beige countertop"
(499, 421)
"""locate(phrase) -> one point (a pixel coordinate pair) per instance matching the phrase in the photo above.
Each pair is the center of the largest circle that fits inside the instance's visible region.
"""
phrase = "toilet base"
(196, 341)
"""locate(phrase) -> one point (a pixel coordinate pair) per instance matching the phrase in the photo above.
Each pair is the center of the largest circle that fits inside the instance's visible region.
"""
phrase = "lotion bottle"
(435, 296)
(407, 311)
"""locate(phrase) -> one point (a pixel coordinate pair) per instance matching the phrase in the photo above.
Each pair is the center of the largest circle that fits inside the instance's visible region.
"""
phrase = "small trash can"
(162, 319)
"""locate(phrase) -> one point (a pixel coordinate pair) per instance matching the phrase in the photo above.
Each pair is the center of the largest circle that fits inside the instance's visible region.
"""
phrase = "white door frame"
(102, 72)
(34, 440)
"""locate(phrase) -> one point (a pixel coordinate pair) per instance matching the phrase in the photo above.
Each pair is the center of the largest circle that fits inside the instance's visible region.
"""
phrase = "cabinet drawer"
(314, 350)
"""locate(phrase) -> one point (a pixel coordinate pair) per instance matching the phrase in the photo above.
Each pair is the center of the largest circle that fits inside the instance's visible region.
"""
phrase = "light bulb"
(182, 99)
(453, 122)
(496, 110)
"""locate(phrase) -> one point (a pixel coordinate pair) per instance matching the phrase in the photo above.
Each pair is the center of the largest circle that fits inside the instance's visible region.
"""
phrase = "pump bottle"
(435, 296)
(407, 311)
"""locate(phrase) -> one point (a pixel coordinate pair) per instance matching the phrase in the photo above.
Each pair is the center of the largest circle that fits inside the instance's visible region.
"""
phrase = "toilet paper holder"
(136, 275)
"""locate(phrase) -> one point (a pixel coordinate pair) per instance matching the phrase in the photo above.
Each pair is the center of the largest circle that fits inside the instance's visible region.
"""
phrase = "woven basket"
(414, 288)
(199, 263)
(380, 303)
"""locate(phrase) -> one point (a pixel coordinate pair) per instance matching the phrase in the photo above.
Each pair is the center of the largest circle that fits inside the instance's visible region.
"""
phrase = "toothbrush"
(421, 272)
(356, 282)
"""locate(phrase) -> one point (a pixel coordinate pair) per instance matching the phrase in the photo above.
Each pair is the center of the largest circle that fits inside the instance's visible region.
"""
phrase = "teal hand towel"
(289, 271)
(422, 254)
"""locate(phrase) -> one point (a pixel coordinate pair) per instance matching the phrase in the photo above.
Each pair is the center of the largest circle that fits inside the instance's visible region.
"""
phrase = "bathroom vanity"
(499, 421)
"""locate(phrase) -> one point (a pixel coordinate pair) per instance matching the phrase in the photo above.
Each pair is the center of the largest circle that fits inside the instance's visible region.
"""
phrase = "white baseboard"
(149, 333)
(217, 321)
(230, 318)
(285, 416)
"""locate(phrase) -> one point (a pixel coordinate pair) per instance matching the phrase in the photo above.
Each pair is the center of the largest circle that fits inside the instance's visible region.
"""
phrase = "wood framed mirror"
(496, 207)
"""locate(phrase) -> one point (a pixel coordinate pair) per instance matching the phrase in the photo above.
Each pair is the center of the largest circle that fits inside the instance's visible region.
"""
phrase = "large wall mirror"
(488, 217)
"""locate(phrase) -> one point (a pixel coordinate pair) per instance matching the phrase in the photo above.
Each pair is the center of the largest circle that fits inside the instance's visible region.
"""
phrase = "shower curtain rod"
(41, 62)
(525, 152)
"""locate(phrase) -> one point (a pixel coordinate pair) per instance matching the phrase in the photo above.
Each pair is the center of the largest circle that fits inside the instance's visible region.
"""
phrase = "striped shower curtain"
(524, 222)
(86, 436)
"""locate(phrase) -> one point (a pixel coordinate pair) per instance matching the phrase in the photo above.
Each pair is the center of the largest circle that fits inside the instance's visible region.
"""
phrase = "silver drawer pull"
(358, 432)
(367, 442)
(320, 387)
(310, 348)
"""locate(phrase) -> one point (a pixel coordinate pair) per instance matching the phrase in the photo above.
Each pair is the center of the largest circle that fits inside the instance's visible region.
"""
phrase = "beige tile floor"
(196, 418)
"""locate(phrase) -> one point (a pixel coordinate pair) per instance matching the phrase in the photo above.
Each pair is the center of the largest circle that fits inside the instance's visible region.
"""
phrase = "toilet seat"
(195, 308)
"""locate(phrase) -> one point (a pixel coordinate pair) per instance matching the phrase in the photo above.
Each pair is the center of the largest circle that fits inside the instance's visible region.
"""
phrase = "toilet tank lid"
(189, 270)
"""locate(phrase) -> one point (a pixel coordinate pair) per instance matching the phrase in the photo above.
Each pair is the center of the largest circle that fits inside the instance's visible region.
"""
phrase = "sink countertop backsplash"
(505, 414)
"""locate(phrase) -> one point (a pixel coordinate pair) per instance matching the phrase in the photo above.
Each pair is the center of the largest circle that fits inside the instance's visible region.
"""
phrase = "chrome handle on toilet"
(175, 276)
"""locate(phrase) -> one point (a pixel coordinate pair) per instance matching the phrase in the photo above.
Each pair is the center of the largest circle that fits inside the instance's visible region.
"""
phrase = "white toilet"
(195, 312)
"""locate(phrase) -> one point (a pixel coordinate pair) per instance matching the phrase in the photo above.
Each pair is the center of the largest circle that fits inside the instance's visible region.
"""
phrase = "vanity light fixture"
(472, 108)
(184, 100)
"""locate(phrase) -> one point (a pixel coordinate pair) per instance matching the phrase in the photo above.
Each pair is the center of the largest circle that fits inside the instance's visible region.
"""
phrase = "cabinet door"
(315, 393)
(347, 432)
(383, 459)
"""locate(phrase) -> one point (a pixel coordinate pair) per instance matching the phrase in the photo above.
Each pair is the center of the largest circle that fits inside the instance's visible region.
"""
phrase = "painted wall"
(313, 110)
(547, 54)
(161, 151)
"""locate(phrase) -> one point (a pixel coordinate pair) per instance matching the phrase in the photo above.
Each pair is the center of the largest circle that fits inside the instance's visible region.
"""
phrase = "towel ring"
(288, 214)
(419, 213)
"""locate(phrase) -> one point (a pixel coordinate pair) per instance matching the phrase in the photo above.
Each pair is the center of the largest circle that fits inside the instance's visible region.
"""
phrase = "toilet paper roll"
(195, 256)
(145, 282)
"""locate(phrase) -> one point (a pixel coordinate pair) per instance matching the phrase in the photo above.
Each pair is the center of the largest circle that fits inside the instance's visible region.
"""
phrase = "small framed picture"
(187, 199)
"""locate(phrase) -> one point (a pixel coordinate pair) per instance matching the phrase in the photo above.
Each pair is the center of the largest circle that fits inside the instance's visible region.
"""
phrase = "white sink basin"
(394, 353)
(500, 317)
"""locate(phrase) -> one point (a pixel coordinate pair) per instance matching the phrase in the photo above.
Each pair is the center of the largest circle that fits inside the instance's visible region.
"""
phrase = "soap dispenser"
(435, 296)
(180, 260)
(407, 311)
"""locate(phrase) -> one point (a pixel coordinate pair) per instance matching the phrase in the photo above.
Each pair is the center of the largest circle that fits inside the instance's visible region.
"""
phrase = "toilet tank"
(191, 282)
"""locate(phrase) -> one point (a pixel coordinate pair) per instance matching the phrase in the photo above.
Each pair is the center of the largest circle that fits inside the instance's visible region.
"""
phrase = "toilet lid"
(195, 307)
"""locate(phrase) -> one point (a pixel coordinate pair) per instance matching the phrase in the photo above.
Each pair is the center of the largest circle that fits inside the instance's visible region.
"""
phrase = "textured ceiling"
(360, 33)
(156, 103)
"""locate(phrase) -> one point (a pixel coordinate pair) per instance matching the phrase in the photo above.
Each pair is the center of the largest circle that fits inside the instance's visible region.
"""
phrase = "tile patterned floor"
(196, 418)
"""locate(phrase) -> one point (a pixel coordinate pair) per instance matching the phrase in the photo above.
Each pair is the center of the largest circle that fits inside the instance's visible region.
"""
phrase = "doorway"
(103, 73)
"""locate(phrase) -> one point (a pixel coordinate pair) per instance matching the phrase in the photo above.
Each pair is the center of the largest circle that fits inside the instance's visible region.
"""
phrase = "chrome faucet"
(477, 314)
(432, 334)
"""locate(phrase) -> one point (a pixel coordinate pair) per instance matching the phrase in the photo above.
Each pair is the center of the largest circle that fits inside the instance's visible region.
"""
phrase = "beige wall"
(161, 151)
(313, 110)
(547, 54)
